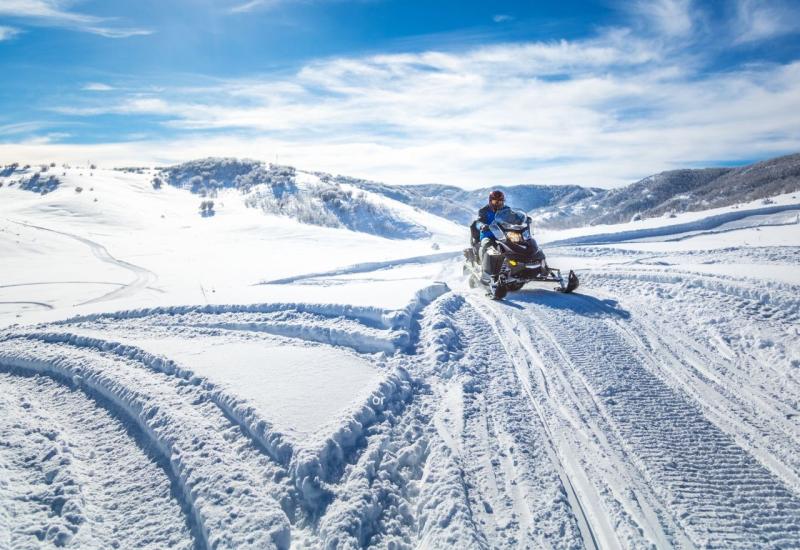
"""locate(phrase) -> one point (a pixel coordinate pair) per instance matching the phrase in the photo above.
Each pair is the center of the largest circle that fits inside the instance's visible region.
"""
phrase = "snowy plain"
(243, 380)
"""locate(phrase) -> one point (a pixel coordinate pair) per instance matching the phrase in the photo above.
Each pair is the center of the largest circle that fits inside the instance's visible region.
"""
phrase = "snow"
(277, 378)
(69, 245)
(243, 380)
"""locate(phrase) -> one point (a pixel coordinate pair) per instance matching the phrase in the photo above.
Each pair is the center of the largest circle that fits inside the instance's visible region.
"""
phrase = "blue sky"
(465, 93)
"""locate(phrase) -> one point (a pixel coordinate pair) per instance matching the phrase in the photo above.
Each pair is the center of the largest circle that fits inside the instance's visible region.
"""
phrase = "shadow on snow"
(581, 304)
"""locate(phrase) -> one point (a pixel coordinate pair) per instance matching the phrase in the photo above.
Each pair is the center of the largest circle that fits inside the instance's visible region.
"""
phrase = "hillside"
(677, 191)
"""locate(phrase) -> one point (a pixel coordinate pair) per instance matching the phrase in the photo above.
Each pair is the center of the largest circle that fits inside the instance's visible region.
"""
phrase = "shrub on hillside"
(38, 184)
(207, 208)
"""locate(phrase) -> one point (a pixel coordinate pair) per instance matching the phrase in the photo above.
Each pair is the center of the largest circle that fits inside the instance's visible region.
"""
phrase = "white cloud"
(20, 128)
(762, 20)
(502, 18)
(56, 13)
(668, 17)
(97, 87)
(7, 33)
(253, 5)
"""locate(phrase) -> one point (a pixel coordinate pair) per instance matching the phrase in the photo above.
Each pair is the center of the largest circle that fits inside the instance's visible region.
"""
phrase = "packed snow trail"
(142, 277)
(179, 422)
(707, 489)
(514, 484)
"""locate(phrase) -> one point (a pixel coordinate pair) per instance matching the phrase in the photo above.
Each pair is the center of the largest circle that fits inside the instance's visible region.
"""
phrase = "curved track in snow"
(142, 277)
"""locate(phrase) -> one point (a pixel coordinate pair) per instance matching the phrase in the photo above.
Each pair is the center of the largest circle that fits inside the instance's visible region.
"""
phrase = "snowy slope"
(121, 241)
(243, 380)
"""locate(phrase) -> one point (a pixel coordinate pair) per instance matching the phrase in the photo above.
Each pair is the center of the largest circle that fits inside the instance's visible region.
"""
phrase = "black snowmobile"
(513, 260)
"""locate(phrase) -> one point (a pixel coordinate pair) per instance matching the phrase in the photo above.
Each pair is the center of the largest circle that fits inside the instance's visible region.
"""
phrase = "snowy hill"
(269, 223)
(308, 198)
(677, 191)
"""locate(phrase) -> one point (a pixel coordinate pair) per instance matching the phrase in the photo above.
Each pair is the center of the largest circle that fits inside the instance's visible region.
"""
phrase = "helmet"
(496, 197)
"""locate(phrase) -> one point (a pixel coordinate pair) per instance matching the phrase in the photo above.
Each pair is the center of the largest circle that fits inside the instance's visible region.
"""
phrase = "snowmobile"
(513, 260)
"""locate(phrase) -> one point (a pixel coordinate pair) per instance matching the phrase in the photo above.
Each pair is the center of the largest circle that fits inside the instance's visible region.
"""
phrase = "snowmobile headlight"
(512, 263)
(514, 236)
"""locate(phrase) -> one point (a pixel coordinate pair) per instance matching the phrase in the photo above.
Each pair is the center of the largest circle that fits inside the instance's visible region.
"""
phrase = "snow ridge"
(703, 224)
(214, 496)
(237, 410)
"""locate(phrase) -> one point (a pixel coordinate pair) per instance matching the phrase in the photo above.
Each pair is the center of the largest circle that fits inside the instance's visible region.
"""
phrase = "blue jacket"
(486, 215)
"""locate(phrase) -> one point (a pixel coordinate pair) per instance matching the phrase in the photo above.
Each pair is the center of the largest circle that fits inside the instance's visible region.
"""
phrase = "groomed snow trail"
(674, 409)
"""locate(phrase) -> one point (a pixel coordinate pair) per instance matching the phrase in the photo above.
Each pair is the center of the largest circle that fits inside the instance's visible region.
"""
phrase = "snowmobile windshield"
(511, 219)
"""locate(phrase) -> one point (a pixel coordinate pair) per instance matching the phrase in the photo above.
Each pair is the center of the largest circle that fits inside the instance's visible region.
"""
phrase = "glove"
(483, 227)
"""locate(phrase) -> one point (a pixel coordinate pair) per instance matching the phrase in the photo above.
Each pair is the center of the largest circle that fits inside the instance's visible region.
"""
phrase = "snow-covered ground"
(245, 381)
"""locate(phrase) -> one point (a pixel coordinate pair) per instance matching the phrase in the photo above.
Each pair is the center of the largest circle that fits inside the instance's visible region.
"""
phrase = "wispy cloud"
(763, 19)
(253, 5)
(502, 18)
(7, 33)
(57, 13)
(97, 87)
(20, 128)
(673, 18)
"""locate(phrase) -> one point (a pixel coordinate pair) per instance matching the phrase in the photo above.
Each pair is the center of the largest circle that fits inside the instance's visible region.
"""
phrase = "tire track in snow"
(584, 500)
(366, 267)
(142, 277)
(519, 492)
(42, 305)
(315, 476)
(232, 490)
(262, 433)
(717, 491)
(75, 476)
(752, 400)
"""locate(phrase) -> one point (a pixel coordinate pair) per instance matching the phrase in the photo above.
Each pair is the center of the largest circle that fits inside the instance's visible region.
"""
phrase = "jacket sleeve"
(483, 215)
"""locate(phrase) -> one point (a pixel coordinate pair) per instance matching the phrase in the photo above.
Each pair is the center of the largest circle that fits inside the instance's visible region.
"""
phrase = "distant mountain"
(337, 200)
(677, 191)
(461, 206)
(560, 207)
(408, 211)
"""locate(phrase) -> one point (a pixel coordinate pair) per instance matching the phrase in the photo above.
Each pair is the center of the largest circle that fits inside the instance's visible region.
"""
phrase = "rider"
(497, 200)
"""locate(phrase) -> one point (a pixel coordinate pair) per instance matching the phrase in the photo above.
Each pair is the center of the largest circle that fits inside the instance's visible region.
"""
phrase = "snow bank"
(702, 224)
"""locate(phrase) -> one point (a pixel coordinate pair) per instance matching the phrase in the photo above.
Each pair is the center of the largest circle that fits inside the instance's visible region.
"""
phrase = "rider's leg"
(486, 242)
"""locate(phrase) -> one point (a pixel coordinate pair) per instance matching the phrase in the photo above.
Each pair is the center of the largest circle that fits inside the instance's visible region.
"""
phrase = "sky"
(466, 93)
